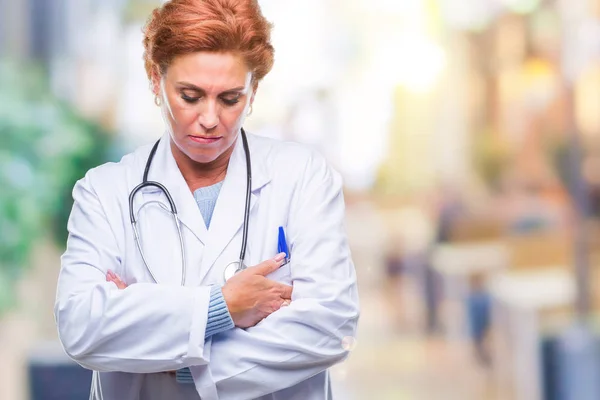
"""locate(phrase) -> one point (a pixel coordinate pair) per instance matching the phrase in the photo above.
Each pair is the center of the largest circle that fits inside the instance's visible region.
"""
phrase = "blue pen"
(282, 246)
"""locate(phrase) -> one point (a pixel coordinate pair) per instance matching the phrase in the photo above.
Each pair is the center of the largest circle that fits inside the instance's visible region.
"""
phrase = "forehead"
(209, 70)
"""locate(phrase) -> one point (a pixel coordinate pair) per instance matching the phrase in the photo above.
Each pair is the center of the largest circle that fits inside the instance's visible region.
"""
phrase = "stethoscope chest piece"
(233, 268)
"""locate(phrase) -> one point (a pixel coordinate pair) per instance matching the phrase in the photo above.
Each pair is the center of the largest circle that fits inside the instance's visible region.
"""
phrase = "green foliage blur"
(44, 148)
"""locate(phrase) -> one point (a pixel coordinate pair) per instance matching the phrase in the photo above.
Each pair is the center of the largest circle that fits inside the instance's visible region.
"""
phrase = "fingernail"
(279, 257)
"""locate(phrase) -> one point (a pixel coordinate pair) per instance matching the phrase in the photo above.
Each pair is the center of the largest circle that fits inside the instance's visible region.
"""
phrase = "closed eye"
(230, 101)
(189, 99)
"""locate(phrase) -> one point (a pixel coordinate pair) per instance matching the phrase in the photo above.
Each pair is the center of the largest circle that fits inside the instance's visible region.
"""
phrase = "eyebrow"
(199, 89)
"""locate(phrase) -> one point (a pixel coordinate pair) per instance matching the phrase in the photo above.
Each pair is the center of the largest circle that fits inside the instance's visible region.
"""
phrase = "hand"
(251, 297)
(257, 297)
(116, 279)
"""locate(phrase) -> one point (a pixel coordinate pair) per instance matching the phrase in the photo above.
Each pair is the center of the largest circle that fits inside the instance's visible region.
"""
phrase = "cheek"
(233, 119)
(182, 118)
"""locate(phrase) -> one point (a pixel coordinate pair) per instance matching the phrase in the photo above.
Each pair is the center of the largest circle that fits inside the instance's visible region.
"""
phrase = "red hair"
(182, 27)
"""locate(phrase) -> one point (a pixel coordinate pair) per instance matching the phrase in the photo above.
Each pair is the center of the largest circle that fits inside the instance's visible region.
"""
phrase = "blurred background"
(468, 135)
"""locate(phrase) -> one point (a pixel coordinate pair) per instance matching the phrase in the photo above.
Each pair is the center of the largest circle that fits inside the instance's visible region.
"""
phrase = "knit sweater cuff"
(219, 319)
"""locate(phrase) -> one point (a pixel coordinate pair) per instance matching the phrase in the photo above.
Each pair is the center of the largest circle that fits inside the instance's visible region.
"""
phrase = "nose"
(208, 116)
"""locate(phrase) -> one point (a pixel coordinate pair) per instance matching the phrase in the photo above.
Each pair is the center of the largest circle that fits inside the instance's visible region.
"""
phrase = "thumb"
(268, 266)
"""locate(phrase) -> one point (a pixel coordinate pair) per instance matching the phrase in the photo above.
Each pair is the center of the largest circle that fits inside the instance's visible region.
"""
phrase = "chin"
(203, 158)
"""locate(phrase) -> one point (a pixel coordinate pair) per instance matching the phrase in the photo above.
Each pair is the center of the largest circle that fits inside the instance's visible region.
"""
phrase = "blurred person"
(449, 209)
(154, 292)
(394, 271)
(432, 293)
(478, 304)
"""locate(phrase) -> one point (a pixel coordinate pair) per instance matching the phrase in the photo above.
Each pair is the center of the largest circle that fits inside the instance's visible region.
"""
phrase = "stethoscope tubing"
(173, 210)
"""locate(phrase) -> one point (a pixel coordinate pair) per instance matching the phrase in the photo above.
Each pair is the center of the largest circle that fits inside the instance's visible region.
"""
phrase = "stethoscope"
(232, 268)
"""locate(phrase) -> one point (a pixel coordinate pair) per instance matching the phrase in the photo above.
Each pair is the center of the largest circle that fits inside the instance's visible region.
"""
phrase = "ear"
(254, 88)
(155, 81)
(252, 98)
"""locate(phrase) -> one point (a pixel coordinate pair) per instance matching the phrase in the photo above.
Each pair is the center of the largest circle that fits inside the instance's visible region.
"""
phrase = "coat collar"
(228, 215)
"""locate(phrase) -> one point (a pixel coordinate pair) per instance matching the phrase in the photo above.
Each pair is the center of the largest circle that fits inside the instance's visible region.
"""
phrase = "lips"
(205, 139)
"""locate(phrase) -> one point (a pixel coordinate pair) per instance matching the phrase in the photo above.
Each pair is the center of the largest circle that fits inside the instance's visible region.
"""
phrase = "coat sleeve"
(141, 329)
(309, 336)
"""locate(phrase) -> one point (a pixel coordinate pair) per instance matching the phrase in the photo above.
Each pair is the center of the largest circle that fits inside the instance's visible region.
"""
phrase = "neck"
(199, 175)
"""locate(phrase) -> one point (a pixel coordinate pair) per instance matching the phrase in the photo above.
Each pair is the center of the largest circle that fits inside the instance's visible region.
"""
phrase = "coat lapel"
(228, 216)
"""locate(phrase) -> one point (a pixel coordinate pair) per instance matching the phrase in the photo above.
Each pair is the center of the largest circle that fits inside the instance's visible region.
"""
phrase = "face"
(205, 98)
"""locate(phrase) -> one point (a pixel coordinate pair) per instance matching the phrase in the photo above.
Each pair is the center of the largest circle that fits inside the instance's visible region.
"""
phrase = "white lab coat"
(132, 335)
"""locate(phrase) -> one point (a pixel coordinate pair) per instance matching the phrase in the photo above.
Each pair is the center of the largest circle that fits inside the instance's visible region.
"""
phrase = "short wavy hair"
(181, 27)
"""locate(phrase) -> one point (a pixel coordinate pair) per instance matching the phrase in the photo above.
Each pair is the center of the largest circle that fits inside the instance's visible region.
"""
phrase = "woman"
(121, 307)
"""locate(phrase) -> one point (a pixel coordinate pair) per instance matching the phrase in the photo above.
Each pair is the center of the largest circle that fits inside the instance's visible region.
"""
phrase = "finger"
(120, 284)
(285, 290)
(111, 277)
(116, 279)
(286, 303)
(268, 266)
